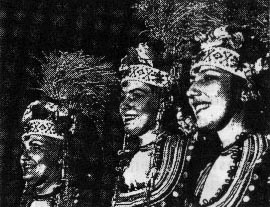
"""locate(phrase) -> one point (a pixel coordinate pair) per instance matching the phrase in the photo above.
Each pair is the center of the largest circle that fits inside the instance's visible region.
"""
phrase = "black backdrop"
(30, 27)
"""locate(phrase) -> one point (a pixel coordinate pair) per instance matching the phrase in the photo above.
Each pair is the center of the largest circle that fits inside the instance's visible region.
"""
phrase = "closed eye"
(137, 95)
(208, 78)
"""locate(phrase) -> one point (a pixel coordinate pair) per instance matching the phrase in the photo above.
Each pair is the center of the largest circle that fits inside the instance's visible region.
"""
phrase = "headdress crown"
(138, 65)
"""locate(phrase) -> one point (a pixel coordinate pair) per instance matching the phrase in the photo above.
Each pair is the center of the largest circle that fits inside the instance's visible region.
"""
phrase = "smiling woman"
(57, 162)
(152, 143)
(225, 96)
(42, 156)
(40, 159)
(210, 96)
(139, 107)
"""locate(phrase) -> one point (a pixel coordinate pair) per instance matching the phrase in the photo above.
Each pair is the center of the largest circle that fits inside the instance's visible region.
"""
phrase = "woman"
(153, 156)
(59, 167)
(226, 101)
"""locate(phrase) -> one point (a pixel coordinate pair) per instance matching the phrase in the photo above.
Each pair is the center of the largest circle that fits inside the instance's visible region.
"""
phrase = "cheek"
(38, 158)
(41, 168)
(141, 121)
(150, 107)
(213, 91)
(224, 96)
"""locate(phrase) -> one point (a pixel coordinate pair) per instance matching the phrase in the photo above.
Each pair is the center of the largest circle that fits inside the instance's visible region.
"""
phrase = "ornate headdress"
(177, 22)
(222, 49)
(40, 119)
(138, 65)
(229, 49)
(77, 84)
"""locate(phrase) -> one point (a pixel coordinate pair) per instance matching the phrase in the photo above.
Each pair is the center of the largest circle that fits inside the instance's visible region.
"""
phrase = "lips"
(200, 106)
(128, 117)
(28, 166)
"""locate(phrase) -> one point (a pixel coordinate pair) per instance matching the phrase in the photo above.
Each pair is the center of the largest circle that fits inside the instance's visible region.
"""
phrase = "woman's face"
(139, 107)
(210, 96)
(39, 160)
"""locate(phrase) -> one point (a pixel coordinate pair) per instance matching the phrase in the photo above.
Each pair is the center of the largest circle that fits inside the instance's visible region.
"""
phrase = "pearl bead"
(175, 194)
(259, 161)
(251, 188)
(188, 158)
(191, 147)
(246, 199)
(255, 177)
(185, 174)
(181, 185)
(76, 201)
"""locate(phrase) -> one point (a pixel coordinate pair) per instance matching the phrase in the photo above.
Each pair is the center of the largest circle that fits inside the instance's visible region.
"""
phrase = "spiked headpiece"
(75, 84)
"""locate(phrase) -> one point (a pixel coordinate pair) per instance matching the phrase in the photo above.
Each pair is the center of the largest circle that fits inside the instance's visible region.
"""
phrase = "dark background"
(30, 27)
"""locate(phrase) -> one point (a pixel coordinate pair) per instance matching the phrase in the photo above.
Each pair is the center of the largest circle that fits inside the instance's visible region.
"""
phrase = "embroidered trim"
(41, 127)
(222, 58)
(253, 149)
(149, 75)
(169, 175)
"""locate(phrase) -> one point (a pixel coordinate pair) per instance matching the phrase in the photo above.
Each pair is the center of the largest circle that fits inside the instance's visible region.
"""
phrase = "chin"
(27, 177)
(136, 127)
(209, 122)
(133, 131)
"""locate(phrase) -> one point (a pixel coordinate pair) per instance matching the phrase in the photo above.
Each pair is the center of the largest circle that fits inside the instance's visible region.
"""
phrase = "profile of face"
(40, 159)
(139, 107)
(210, 96)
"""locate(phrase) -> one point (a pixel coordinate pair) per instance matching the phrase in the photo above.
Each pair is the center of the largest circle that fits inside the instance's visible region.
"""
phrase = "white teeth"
(200, 107)
(129, 117)
(28, 166)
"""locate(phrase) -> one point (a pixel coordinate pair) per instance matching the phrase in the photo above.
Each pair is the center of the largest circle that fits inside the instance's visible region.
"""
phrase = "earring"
(249, 95)
(185, 123)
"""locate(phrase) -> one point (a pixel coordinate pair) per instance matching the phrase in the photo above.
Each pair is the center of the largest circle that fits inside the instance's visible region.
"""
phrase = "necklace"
(155, 160)
(232, 152)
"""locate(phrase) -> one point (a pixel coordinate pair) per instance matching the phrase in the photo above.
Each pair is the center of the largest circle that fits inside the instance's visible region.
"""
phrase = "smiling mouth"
(200, 106)
(128, 118)
(27, 167)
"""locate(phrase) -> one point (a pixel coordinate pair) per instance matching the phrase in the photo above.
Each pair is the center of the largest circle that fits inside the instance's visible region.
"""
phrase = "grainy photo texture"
(143, 103)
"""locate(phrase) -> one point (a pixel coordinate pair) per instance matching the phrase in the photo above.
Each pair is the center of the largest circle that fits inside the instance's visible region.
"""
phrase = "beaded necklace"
(155, 160)
(235, 151)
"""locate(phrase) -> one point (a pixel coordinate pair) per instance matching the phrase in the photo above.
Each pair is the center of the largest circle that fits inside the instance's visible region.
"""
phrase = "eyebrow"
(136, 89)
(36, 141)
(210, 70)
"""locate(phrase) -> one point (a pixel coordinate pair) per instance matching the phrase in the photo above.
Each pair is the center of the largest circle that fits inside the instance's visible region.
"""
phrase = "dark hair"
(254, 108)
(169, 120)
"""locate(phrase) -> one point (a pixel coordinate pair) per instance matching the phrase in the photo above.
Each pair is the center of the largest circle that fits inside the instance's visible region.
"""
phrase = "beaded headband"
(147, 74)
(222, 58)
(41, 127)
(218, 49)
(144, 70)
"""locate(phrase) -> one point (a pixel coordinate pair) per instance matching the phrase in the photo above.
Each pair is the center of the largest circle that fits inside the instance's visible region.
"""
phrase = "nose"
(25, 155)
(126, 103)
(194, 90)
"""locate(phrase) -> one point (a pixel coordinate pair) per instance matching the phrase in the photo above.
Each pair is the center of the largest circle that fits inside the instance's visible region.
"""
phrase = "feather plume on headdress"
(177, 22)
(184, 25)
(81, 84)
